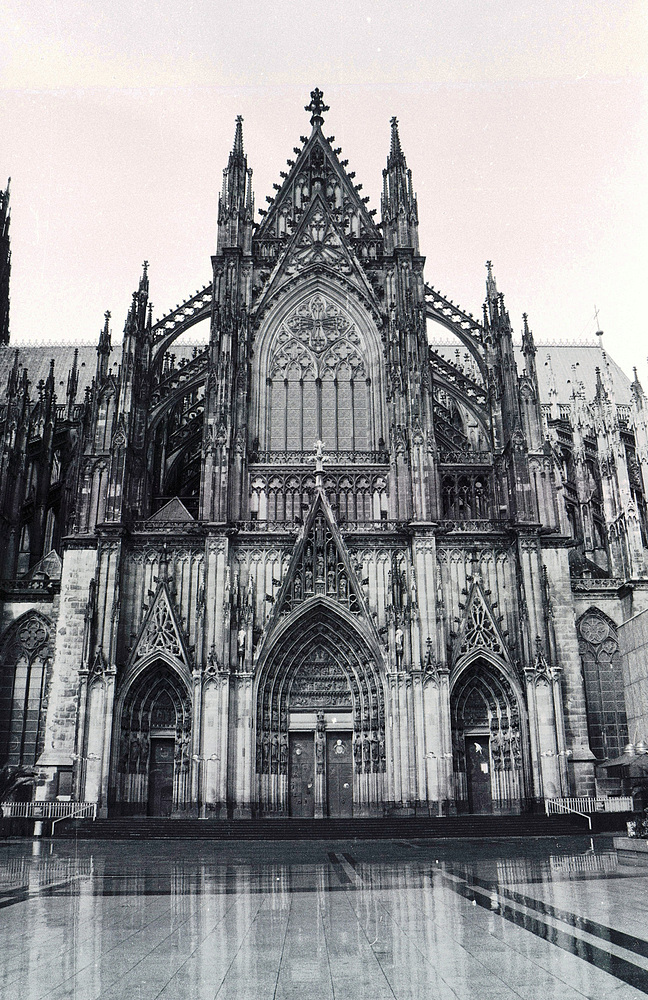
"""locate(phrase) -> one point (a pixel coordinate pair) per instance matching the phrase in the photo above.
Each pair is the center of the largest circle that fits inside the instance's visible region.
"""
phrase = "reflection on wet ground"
(353, 919)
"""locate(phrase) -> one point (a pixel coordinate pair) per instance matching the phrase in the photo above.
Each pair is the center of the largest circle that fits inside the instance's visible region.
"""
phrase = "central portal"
(320, 720)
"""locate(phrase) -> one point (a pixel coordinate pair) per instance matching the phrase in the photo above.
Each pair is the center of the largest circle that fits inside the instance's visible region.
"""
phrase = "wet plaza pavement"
(198, 920)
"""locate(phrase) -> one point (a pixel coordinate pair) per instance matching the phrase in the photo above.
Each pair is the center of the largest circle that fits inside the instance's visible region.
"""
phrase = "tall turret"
(104, 347)
(236, 201)
(399, 208)
(226, 401)
(5, 264)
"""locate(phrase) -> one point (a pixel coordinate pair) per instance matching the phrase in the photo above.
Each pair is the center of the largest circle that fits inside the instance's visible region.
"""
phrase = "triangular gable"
(320, 565)
(48, 568)
(317, 168)
(318, 241)
(161, 631)
(479, 629)
(174, 510)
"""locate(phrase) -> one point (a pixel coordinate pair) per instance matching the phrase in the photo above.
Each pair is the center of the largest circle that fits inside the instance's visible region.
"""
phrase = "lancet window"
(23, 682)
(318, 384)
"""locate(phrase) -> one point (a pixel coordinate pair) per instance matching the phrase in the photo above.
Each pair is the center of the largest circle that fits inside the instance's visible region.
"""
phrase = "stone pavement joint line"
(559, 919)
(618, 966)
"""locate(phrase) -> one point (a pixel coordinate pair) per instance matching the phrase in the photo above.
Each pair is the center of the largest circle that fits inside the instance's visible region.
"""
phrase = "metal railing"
(48, 810)
(585, 805)
(557, 807)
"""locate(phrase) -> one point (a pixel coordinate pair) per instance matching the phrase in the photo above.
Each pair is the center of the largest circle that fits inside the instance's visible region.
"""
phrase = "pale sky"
(524, 124)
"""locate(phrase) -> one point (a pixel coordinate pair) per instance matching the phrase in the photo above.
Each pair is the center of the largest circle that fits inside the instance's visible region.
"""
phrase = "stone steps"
(323, 829)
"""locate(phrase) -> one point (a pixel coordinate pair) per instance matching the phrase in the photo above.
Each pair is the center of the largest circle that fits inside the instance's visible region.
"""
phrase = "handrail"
(45, 809)
(81, 811)
(554, 807)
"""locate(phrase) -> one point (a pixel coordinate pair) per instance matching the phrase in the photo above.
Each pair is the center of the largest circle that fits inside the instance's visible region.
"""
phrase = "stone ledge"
(631, 850)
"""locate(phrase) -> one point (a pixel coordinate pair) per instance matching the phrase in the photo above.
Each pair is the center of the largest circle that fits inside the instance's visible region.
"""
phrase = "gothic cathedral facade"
(318, 568)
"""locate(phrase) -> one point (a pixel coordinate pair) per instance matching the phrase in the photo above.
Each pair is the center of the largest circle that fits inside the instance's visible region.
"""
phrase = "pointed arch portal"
(320, 718)
(154, 726)
(488, 739)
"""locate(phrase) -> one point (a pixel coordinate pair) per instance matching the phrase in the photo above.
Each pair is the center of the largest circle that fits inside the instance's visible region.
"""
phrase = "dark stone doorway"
(339, 774)
(301, 775)
(160, 796)
(478, 767)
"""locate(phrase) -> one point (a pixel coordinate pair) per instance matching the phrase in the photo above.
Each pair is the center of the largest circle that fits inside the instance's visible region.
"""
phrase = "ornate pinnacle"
(238, 137)
(395, 152)
(317, 107)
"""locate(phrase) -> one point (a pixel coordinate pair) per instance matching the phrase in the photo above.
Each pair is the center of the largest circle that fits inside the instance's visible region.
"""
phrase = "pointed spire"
(104, 347)
(72, 383)
(600, 395)
(491, 286)
(395, 152)
(528, 343)
(237, 149)
(236, 202)
(399, 205)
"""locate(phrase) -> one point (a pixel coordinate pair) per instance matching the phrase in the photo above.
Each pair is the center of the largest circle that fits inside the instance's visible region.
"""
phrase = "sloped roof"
(174, 510)
(36, 359)
(559, 359)
(585, 357)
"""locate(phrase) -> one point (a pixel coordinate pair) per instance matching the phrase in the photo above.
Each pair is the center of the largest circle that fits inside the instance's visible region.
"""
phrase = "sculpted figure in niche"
(241, 640)
(309, 580)
(399, 640)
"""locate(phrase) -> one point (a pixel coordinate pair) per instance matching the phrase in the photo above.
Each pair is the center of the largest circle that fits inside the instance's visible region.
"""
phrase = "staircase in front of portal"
(423, 828)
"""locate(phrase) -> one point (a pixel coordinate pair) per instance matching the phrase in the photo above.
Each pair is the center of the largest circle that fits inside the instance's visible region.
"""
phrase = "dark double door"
(339, 775)
(160, 797)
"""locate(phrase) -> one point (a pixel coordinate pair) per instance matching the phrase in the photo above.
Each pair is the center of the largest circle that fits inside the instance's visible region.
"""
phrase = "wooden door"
(339, 774)
(160, 799)
(301, 776)
(478, 766)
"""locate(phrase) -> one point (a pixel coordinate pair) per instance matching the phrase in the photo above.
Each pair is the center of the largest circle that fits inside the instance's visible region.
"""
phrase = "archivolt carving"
(320, 662)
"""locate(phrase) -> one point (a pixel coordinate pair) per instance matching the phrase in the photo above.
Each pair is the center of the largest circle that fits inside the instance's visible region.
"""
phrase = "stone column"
(244, 764)
(445, 769)
(61, 741)
(534, 734)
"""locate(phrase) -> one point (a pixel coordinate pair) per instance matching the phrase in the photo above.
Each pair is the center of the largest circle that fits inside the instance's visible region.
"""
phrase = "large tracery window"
(318, 383)
(23, 680)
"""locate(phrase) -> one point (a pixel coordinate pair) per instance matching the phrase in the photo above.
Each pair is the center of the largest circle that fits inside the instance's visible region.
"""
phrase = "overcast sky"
(525, 126)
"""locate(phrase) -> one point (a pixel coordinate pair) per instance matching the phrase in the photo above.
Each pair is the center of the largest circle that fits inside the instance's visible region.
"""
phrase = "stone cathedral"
(363, 554)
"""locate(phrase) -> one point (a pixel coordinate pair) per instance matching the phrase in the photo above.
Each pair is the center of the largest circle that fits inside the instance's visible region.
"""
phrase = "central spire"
(317, 107)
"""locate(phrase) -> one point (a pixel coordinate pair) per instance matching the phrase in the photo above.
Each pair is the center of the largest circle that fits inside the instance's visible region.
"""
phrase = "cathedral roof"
(36, 359)
(572, 363)
(562, 363)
